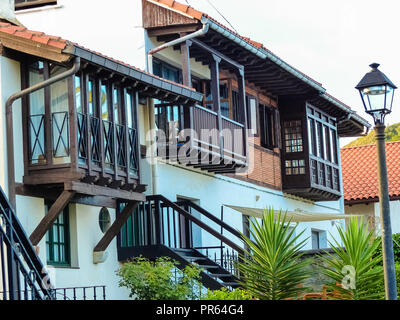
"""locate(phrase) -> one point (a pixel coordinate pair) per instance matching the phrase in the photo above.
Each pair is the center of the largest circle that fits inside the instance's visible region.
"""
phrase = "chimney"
(7, 14)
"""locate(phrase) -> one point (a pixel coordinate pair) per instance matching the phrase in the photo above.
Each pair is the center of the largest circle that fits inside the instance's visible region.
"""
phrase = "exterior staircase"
(22, 274)
(162, 228)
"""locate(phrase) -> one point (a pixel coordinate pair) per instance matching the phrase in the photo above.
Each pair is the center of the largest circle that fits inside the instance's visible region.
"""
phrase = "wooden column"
(47, 119)
(217, 98)
(243, 107)
(51, 216)
(119, 222)
(73, 125)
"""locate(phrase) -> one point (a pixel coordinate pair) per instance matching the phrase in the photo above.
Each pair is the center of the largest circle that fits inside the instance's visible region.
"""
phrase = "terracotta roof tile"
(36, 36)
(360, 175)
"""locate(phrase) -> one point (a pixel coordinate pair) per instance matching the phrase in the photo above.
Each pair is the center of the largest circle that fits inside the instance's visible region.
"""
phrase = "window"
(252, 114)
(323, 148)
(293, 136)
(166, 71)
(58, 240)
(295, 167)
(37, 148)
(27, 4)
(267, 127)
(318, 239)
(104, 220)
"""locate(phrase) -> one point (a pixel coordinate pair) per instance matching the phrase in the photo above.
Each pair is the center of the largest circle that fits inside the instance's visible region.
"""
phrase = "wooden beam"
(116, 226)
(94, 190)
(51, 216)
(172, 30)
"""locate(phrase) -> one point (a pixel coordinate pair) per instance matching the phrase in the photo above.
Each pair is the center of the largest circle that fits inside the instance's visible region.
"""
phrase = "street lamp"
(377, 93)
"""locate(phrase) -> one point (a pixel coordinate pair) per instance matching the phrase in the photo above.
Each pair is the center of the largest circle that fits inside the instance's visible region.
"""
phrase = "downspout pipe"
(9, 122)
(153, 151)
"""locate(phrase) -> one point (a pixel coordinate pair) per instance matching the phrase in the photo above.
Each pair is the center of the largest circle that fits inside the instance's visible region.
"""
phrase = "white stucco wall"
(103, 26)
(213, 191)
(373, 209)
(85, 233)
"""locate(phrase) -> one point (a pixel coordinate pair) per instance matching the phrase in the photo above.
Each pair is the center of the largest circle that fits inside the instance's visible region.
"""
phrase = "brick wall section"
(265, 165)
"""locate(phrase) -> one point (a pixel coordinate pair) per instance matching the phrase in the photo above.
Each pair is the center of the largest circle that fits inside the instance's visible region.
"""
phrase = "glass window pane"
(78, 92)
(58, 91)
(36, 99)
(129, 110)
(91, 97)
(116, 106)
(104, 102)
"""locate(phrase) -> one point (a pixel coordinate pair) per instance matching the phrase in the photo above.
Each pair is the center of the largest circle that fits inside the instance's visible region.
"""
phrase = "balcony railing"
(214, 146)
(98, 146)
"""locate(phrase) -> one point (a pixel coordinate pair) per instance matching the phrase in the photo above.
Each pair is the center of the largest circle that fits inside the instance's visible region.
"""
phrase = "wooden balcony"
(195, 136)
(310, 162)
(83, 148)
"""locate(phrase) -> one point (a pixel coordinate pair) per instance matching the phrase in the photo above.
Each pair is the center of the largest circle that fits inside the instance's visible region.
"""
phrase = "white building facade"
(128, 31)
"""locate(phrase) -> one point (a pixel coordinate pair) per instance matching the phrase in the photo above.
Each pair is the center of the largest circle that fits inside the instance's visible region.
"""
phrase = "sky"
(333, 42)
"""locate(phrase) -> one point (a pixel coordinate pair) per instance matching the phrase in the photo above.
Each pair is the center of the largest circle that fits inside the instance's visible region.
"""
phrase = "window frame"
(50, 243)
(270, 141)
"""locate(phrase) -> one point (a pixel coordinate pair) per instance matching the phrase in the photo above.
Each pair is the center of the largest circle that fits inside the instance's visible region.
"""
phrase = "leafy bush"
(225, 294)
(379, 290)
(159, 280)
(396, 248)
(356, 264)
(272, 269)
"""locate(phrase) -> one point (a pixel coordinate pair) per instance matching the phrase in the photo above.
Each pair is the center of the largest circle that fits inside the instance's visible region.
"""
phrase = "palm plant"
(354, 267)
(272, 268)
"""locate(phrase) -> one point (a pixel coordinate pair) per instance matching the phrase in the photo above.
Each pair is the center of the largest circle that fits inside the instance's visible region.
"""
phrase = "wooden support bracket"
(116, 227)
(51, 216)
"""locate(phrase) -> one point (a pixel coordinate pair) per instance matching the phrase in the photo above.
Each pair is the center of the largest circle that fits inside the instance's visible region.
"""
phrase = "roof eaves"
(261, 52)
(125, 69)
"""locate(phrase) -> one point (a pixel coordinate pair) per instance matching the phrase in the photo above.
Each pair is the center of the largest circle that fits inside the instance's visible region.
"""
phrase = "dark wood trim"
(95, 190)
(115, 228)
(52, 193)
(73, 124)
(186, 72)
(47, 118)
(186, 28)
(51, 216)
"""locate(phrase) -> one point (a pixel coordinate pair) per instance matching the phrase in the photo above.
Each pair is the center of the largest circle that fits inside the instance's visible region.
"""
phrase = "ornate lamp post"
(377, 93)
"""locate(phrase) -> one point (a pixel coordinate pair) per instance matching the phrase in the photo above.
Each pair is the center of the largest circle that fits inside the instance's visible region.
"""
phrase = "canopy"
(295, 216)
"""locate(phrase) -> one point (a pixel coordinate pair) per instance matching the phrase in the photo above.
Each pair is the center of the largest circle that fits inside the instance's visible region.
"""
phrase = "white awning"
(295, 216)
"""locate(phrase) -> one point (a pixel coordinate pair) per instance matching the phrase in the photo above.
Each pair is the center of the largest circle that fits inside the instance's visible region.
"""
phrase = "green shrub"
(379, 289)
(225, 294)
(159, 280)
(396, 248)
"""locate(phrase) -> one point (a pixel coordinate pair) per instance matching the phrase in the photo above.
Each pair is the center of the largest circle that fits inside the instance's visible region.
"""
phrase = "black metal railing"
(80, 293)
(159, 221)
(22, 275)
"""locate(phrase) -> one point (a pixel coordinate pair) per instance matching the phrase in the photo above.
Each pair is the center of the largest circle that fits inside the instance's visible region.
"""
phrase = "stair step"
(230, 284)
(221, 275)
(196, 258)
(208, 267)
